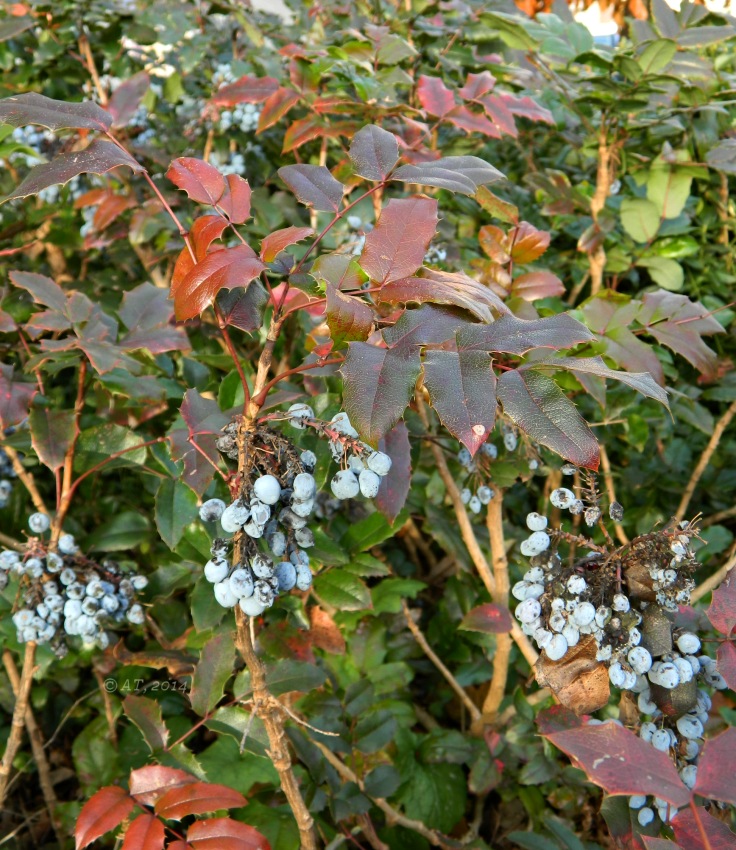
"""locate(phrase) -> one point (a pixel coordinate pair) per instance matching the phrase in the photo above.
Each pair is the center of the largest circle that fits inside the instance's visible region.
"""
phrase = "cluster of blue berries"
(6, 474)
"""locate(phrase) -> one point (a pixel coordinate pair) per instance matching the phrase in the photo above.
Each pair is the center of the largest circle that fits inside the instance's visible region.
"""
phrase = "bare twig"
(708, 451)
(19, 718)
(719, 516)
(608, 481)
(27, 479)
(435, 659)
(11, 543)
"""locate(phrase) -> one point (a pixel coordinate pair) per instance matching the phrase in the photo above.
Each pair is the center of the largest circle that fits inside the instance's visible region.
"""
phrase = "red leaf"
(525, 107)
(688, 836)
(127, 97)
(659, 843)
(726, 663)
(246, 90)
(15, 398)
(395, 486)
(621, 763)
(716, 779)
(225, 834)
(226, 269)
(275, 242)
(196, 799)
(107, 809)
(472, 122)
(145, 833)
(324, 632)
(476, 85)
(397, 244)
(558, 719)
(200, 180)
(302, 131)
(180, 845)
(528, 243)
(148, 314)
(373, 152)
(314, 186)
(149, 783)
(348, 318)
(434, 96)
(722, 609)
(235, 200)
(204, 231)
(499, 113)
(489, 618)
(35, 108)
(494, 241)
(111, 207)
(275, 107)
(535, 285)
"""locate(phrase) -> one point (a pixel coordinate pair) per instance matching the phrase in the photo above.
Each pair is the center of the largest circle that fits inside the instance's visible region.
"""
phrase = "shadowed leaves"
(462, 174)
(348, 317)
(314, 186)
(35, 108)
(373, 152)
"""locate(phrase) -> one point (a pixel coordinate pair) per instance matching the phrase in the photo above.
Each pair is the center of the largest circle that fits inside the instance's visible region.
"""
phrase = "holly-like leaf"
(148, 313)
(275, 242)
(104, 811)
(314, 186)
(146, 714)
(149, 783)
(325, 632)
(397, 244)
(540, 408)
(126, 98)
(527, 243)
(462, 174)
(497, 207)
(342, 590)
(204, 184)
(246, 90)
(462, 389)
(373, 152)
(472, 122)
(176, 507)
(348, 318)
(243, 308)
(726, 663)
(52, 432)
(434, 96)
(621, 763)
(97, 158)
(15, 397)
(225, 834)
(490, 619)
(378, 384)
(518, 336)
(716, 779)
(14, 26)
(145, 833)
(197, 798)
(33, 108)
(394, 488)
(640, 218)
(477, 85)
(204, 231)
(688, 834)
(43, 289)
(276, 106)
(214, 668)
(225, 269)
(535, 285)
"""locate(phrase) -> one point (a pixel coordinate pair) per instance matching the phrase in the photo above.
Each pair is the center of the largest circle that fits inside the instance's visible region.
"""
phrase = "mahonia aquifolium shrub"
(65, 594)
(6, 474)
(623, 600)
(276, 499)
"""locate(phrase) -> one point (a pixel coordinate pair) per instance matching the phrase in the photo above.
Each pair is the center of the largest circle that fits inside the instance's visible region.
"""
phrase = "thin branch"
(19, 718)
(608, 481)
(11, 543)
(305, 367)
(112, 457)
(708, 451)
(437, 661)
(713, 581)
(27, 479)
(234, 354)
(717, 517)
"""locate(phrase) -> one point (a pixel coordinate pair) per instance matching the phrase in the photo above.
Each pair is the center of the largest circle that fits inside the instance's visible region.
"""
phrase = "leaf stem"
(234, 354)
(305, 367)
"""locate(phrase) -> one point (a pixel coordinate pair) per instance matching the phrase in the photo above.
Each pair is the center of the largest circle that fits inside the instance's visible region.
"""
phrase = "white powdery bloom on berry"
(38, 523)
(285, 573)
(591, 516)
(571, 634)
(304, 486)
(637, 801)
(308, 459)
(341, 423)
(617, 675)
(689, 727)
(620, 603)
(465, 495)
(536, 522)
(584, 614)
(556, 648)
(380, 463)
(251, 606)
(542, 636)
(528, 611)
(211, 510)
(135, 615)
(640, 660)
(369, 483)
(216, 571)
(576, 585)
(241, 583)
(645, 703)
(67, 544)
(562, 497)
(224, 594)
(303, 577)
(475, 504)
(645, 816)
(665, 674)
(297, 413)
(689, 775)
(688, 643)
(234, 517)
(345, 485)
(510, 440)
(267, 489)
(660, 740)
(485, 494)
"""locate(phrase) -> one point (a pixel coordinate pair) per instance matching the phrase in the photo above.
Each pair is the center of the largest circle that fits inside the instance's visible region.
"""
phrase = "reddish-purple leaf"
(225, 834)
(716, 779)
(500, 114)
(52, 432)
(497, 207)
(314, 186)
(535, 285)
(15, 397)
(243, 308)
(235, 200)
(246, 90)
(527, 243)
(149, 316)
(146, 714)
(104, 811)
(275, 242)
(378, 384)
(517, 336)
(33, 108)
(348, 318)
(476, 85)
(145, 833)
(149, 783)
(395, 486)
(111, 208)
(540, 408)
(197, 798)
(204, 231)
(200, 180)
(689, 837)
(726, 663)
(199, 456)
(7, 323)
(722, 609)
(44, 290)
(302, 131)
(202, 415)
(490, 618)
(473, 122)
(127, 97)
(621, 763)
(373, 152)
(275, 107)
(652, 843)
(439, 287)
(397, 244)
(462, 389)
(213, 669)
(525, 107)
(423, 326)
(97, 158)
(462, 174)
(226, 269)
(558, 719)
(434, 96)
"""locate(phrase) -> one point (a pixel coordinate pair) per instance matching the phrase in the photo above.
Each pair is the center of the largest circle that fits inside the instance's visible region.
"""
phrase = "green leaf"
(244, 727)
(283, 678)
(207, 612)
(225, 764)
(665, 272)
(657, 56)
(146, 714)
(97, 444)
(52, 432)
(214, 668)
(446, 746)
(342, 590)
(95, 758)
(640, 218)
(382, 781)
(124, 531)
(530, 841)
(387, 595)
(176, 507)
(375, 730)
(668, 186)
(435, 795)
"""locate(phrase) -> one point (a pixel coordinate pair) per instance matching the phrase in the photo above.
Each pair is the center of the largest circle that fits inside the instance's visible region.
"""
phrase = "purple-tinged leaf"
(225, 834)
(434, 96)
(44, 290)
(652, 843)
(149, 315)
(378, 384)
(348, 318)
(689, 837)
(438, 287)
(558, 719)
(15, 397)
(243, 308)
(104, 811)
(476, 85)
(197, 798)
(11, 27)
(726, 663)
(535, 285)
(202, 415)
(373, 152)
(395, 486)
(52, 432)
(97, 158)
(517, 336)
(199, 463)
(462, 174)
(716, 779)
(214, 668)
(490, 619)
(7, 323)
(540, 408)
(472, 122)
(525, 107)
(246, 90)
(148, 784)
(722, 609)
(620, 762)
(275, 242)
(33, 108)
(146, 715)
(500, 114)
(126, 98)
(424, 325)
(397, 244)
(314, 186)
(275, 107)
(462, 389)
